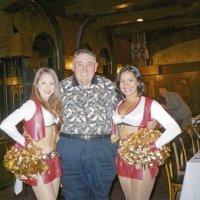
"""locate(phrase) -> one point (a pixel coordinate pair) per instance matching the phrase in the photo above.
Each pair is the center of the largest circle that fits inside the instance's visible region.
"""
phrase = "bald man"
(177, 107)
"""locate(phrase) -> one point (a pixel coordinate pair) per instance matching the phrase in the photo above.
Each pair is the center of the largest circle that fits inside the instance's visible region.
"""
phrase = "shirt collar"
(75, 82)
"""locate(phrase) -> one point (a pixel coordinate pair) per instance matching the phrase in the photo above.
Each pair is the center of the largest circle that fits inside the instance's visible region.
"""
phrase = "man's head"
(163, 92)
(84, 66)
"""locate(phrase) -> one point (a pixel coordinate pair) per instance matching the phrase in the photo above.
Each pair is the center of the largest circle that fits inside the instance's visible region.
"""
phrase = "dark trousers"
(88, 167)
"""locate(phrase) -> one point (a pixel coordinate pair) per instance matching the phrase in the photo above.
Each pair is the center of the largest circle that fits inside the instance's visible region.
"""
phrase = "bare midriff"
(125, 130)
(48, 143)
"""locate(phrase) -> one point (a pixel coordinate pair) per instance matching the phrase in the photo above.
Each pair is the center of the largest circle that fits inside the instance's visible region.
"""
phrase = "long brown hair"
(54, 102)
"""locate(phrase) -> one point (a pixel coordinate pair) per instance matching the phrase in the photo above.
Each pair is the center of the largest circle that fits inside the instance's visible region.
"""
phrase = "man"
(87, 154)
(176, 107)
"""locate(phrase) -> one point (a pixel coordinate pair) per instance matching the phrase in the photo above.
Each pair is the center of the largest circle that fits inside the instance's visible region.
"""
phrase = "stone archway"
(104, 61)
(44, 52)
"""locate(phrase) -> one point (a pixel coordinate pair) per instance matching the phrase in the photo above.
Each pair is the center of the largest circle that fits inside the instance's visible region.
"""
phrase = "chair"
(174, 174)
(179, 156)
(174, 181)
(187, 144)
(182, 150)
(196, 127)
(195, 140)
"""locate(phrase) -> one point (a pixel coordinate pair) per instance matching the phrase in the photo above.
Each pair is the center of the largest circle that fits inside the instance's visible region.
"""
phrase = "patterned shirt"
(87, 110)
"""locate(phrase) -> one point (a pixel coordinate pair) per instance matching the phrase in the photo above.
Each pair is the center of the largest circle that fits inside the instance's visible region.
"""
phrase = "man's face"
(162, 92)
(84, 67)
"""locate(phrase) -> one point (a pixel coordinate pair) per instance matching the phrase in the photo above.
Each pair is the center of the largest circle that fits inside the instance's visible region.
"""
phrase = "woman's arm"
(8, 125)
(172, 129)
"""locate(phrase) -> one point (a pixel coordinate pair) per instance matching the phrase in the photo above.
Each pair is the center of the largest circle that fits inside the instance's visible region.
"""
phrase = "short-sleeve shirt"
(87, 110)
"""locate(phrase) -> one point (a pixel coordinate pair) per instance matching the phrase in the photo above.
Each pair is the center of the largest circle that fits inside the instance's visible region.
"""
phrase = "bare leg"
(137, 189)
(46, 191)
(126, 186)
(56, 185)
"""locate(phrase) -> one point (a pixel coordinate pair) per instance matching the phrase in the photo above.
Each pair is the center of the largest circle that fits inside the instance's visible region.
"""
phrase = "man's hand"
(152, 124)
(114, 138)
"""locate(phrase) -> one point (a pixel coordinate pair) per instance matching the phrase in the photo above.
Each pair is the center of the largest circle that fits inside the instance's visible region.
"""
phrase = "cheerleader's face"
(46, 86)
(128, 84)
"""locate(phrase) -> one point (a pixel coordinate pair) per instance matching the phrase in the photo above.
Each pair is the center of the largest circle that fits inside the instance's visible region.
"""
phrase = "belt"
(85, 136)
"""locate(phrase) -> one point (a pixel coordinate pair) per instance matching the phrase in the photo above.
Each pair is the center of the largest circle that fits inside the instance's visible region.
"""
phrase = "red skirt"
(126, 170)
(53, 172)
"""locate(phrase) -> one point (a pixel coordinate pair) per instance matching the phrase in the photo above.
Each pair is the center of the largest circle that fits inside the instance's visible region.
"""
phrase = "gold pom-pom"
(25, 162)
(136, 151)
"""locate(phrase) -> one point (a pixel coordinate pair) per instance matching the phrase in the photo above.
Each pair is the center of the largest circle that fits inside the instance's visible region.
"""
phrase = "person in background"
(132, 113)
(177, 107)
(40, 115)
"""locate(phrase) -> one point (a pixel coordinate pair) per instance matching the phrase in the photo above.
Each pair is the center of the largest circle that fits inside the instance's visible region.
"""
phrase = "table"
(191, 184)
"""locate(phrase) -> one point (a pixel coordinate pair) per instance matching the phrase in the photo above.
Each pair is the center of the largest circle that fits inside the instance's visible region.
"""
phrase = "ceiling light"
(140, 20)
(121, 6)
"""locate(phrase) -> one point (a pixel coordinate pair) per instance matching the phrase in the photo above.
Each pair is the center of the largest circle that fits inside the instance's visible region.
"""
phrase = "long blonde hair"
(54, 102)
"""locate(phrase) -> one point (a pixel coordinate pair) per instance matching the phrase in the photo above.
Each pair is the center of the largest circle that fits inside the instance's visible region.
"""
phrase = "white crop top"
(135, 117)
(25, 112)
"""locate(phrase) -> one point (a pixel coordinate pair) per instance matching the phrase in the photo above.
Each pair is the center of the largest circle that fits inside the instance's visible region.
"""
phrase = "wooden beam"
(155, 25)
(98, 7)
(148, 15)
